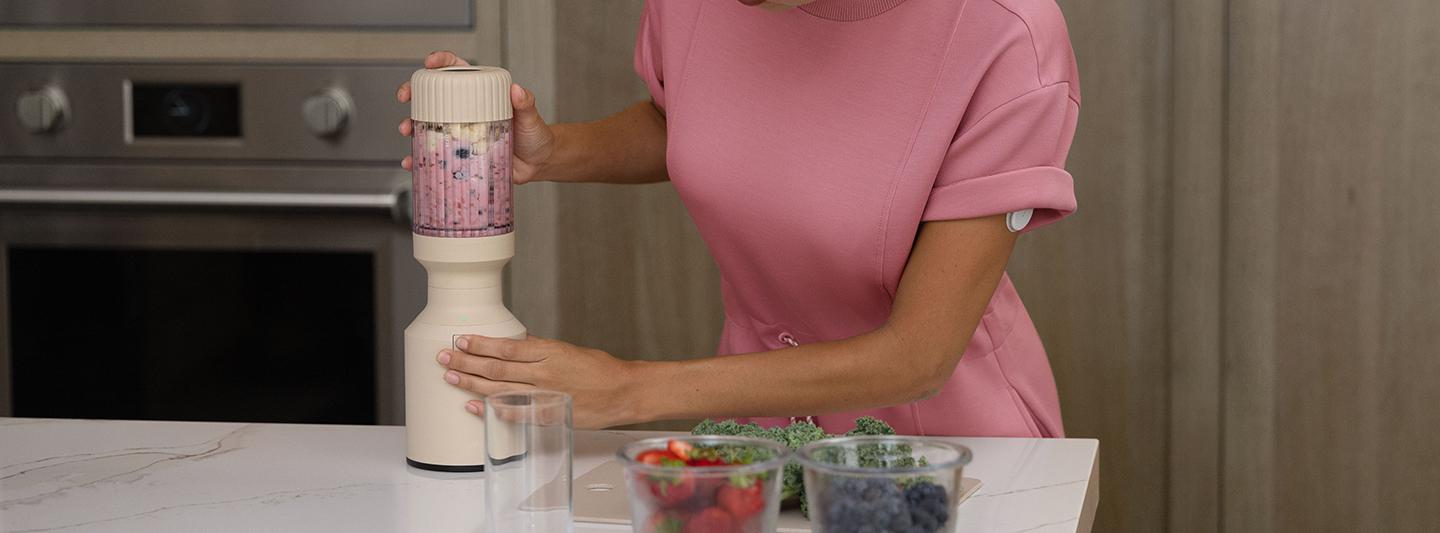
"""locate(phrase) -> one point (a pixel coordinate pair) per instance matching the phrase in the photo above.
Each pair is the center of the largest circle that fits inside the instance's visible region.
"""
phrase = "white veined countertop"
(102, 475)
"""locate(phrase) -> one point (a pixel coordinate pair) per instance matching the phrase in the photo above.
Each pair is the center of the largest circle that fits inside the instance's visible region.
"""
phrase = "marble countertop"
(96, 475)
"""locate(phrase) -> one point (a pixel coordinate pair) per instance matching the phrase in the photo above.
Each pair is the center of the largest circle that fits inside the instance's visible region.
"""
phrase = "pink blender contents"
(462, 179)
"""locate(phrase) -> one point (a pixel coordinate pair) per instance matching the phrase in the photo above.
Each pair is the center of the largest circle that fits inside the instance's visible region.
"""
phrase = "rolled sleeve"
(1011, 159)
(1048, 190)
(647, 54)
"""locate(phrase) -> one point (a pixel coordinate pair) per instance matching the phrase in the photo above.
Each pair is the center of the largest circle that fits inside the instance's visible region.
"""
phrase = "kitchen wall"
(1244, 309)
(1330, 276)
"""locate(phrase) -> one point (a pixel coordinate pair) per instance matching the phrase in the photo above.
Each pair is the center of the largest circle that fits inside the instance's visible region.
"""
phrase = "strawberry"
(653, 457)
(706, 487)
(681, 449)
(666, 522)
(672, 490)
(704, 461)
(741, 502)
(711, 520)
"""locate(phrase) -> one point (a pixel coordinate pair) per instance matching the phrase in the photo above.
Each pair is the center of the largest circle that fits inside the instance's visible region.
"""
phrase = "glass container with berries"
(882, 483)
(704, 484)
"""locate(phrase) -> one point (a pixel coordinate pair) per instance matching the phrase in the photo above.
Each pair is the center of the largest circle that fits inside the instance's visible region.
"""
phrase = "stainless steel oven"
(333, 14)
(204, 242)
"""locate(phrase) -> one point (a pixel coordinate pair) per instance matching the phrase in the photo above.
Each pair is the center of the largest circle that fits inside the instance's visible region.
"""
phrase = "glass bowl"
(882, 483)
(740, 498)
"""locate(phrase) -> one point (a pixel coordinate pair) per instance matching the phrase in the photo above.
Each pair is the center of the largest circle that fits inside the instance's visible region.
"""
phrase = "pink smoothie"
(462, 179)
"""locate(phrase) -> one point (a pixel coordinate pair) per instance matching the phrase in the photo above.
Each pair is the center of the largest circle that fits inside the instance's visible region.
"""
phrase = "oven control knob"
(42, 110)
(327, 112)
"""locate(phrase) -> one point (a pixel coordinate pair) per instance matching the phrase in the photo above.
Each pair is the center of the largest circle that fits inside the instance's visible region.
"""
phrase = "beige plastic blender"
(464, 234)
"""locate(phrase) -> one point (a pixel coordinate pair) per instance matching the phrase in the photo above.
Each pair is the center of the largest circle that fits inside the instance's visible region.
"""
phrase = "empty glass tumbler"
(528, 444)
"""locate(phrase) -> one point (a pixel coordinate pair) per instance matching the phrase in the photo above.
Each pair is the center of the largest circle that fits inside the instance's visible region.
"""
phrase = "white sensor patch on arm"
(1017, 220)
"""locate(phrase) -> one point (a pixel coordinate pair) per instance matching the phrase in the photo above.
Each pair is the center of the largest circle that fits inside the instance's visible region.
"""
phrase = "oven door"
(329, 14)
(268, 295)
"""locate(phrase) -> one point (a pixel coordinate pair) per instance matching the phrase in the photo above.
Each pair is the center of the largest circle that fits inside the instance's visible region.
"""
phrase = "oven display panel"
(184, 110)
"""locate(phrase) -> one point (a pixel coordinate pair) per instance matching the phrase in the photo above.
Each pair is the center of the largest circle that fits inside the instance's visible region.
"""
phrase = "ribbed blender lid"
(460, 94)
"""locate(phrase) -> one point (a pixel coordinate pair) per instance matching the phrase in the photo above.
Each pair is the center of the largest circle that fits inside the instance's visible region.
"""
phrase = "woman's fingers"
(527, 116)
(482, 386)
(530, 350)
(407, 127)
(534, 140)
(442, 59)
(487, 367)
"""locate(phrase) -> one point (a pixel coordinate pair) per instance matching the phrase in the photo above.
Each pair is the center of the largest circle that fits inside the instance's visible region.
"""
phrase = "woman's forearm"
(856, 373)
(944, 291)
(627, 147)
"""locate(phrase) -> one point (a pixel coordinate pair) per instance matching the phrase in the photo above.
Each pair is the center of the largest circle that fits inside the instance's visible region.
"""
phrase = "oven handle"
(395, 203)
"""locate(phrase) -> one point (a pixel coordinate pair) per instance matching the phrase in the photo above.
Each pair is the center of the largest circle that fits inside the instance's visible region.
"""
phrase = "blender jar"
(461, 169)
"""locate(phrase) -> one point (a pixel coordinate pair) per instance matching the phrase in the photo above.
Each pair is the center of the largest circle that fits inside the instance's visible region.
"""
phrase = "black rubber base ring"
(444, 468)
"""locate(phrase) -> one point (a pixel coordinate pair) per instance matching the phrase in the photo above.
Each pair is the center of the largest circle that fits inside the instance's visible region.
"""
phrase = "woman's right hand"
(534, 140)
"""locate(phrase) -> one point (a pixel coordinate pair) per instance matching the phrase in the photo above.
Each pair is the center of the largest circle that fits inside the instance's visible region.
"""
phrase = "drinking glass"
(528, 443)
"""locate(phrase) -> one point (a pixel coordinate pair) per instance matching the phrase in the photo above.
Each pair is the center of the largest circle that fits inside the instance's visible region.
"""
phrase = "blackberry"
(929, 506)
(866, 505)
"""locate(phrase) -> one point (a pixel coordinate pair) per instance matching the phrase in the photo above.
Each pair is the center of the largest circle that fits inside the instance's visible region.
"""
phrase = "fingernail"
(443, 358)
(462, 344)
(452, 378)
(471, 407)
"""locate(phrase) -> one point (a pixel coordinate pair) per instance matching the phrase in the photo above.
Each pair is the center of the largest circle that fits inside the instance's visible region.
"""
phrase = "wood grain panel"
(1408, 371)
(1331, 296)
(635, 278)
(1197, 195)
(1249, 269)
(1096, 283)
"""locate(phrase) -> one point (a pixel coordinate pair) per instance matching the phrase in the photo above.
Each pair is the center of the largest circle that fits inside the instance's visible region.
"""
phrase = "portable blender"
(464, 223)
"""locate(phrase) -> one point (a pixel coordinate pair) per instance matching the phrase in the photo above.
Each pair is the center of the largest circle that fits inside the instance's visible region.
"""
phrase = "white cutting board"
(601, 498)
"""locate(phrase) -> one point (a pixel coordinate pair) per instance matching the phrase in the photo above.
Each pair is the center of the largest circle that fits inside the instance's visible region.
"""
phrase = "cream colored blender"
(464, 234)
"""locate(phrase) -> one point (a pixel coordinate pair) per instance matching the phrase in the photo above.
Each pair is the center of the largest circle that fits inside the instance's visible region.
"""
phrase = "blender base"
(444, 468)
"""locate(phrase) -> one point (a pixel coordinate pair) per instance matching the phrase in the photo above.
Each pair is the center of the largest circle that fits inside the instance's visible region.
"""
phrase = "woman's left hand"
(599, 384)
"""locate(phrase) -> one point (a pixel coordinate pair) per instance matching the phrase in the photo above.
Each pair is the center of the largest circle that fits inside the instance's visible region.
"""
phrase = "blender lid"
(461, 94)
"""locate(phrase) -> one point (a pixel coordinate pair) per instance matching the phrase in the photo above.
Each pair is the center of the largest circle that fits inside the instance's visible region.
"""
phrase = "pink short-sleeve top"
(810, 145)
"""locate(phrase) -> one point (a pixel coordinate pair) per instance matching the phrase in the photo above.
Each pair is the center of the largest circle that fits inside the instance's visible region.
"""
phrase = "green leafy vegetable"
(794, 435)
(731, 455)
(869, 425)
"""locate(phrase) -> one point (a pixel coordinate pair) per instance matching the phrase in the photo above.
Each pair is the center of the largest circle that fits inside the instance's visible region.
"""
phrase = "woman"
(860, 170)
